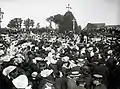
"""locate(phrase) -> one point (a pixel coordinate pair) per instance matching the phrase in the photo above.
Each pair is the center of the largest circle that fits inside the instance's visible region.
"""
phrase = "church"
(69, 23)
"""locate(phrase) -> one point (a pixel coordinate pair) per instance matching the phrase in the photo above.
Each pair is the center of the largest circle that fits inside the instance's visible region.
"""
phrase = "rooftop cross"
(1, 16)
(68, 7)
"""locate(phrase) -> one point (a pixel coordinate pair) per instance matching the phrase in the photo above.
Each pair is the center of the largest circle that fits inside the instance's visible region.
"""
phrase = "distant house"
(94, 29)
(113, 29)
(97, 29)
(113, 26)
(92, 26)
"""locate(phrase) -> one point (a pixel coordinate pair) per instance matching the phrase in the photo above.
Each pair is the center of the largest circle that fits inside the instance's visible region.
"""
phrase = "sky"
(85, 11)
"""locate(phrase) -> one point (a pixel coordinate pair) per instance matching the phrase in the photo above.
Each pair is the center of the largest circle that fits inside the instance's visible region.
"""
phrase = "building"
(100, 29)
(114, 30)
(67, 24)
(94, 29)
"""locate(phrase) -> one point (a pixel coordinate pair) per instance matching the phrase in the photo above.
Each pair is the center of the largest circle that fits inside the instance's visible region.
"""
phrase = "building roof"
(113, 26)
(96, 25)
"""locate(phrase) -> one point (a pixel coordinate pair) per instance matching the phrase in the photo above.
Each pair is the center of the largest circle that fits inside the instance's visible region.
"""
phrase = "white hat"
(29, 87)
(1, 44)
(81, 60)
(98, 75)
(58, 55)
(75, 72)
(2, 52)
(6, 58)
(36, 48)
(90, 48)
(110, 51)
(20, 82)
(8, 69)
(39, 59)
(34, 61)
(91, 53)
(65, 59)
(83, 50)
(72, 64)
(18, 60)
(77, 75)
(21, 56)
(53, 61)
(46, 72)
(34, 74)
(87, 45)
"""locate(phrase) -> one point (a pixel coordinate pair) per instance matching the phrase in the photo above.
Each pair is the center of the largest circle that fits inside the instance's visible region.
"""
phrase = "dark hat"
(29, 53)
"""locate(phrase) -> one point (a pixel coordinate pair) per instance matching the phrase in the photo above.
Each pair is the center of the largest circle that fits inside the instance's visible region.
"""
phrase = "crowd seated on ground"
(58, 61)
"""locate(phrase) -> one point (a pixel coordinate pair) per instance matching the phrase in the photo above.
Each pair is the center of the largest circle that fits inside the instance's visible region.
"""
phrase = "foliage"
(58, 19)
(15, 23)
(50, 19)
(28, 23)
(38, 25)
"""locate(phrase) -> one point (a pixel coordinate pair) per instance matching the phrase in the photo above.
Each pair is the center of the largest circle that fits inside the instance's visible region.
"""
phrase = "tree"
(11, 24)
(38, 25)
(58, 19)
(29, 23)
(50, 19)
(15, 23)
(78, 29)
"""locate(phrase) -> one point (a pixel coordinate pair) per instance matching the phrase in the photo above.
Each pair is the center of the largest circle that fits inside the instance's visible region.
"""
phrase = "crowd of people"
(58, 61)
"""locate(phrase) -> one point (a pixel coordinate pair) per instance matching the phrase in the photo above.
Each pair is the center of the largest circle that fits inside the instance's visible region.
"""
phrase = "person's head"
(74, 75)
(97, 79)
(81, 82)
(13, 74)
(33, 48)
(28, 47)
(30, 55)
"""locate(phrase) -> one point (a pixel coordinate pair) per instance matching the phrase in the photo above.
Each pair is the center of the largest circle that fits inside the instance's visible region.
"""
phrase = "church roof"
(69, 14)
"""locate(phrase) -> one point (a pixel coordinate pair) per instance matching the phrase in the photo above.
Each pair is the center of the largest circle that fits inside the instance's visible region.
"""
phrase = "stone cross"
(73, 24)
(1, 16)
(68, 7)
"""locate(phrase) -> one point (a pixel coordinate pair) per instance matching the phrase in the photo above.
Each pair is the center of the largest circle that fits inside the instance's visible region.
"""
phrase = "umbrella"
(8, 69)
(20, 82)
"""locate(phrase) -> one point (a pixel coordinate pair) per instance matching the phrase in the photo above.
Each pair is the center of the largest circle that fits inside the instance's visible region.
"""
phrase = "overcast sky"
(94, 11)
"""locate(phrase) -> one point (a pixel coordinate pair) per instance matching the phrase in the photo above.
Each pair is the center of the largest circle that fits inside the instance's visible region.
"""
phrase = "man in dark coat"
(104, 71)
(97, 82)
(5, 83)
